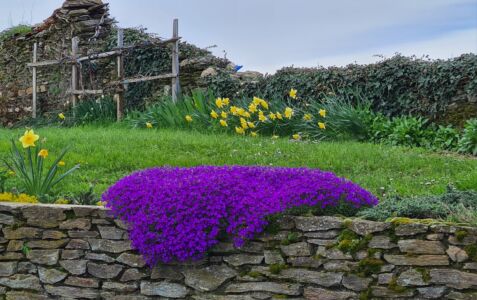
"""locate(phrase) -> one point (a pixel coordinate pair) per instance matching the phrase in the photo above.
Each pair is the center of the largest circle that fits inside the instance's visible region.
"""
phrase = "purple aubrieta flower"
(177, 214)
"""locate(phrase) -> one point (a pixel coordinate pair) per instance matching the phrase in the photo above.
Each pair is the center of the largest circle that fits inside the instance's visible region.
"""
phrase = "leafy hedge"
(396, 86)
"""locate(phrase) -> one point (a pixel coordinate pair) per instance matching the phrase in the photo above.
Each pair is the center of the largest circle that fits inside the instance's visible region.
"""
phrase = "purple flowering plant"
(177, 214)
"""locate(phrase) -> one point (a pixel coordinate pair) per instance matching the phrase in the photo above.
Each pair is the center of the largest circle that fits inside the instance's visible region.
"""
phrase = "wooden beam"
(153, 44)
(142, 79)
(43, 63)
(33, 105)
(120, 70)
(175, 61)
(99, 55)
(87, 92)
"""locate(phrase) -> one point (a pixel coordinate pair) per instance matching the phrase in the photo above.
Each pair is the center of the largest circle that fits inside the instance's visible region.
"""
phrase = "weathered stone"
(435, 236)
(340, 265)
(461, 296)
(43, 216)
(356, 283)
(420, 260)
(381, 242)
(330, 234)
(166, 272)
(209, 278)
(104, 271)
(50, 276)
(15, 245)
(72, 292)
(99, 257)
(132, 275)
(273, 257)
(71, 254)
(468, 240)
(11, 256)
(411, 277)
(297, 249)
(272, 287)
(8, 268)
(16, 295)
(321, 242)
(85, 211)
(305, 262)
(470, 266)
(110, 246)
(79, 224)
(433, 292)
(223, 248)
(421, 247)
(252, 247)
(164, 289)
(7, 219)
(83, 234)
(131, 260)
(22, 233)
(227, 297)
(388, 293)
(120, 224)
(42, 244)
(53, 235)
(318, 223)
(237, 260)
(365, 227)
(26, 267)
(332, 253)
(111, 232)
(410, 229)
(454, 278)
(21, 281)
(326, 279)
(385, 278)
(82, 282)
(78, 244)
(312, 293)
(457, 254)
(44, 257)
(120, 287)
(75, 267)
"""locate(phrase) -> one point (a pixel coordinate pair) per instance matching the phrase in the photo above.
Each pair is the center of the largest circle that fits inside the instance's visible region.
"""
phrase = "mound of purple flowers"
(178, 213)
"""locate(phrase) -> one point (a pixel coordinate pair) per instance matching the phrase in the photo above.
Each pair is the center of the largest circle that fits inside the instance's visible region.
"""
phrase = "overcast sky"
(266, 35)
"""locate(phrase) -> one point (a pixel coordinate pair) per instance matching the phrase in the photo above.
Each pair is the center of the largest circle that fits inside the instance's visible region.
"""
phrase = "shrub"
(468, 141)
(452, 205)
(409, 131)
(178, 213)
(445, 138)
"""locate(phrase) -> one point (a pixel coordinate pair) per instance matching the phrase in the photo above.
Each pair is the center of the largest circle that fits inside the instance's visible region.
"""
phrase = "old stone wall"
(57, 252)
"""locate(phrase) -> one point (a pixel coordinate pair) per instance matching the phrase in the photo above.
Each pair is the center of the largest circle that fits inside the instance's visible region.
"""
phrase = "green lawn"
(106, 154)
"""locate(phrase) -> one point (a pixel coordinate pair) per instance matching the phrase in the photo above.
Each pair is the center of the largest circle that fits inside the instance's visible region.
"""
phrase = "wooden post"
(120, 70)
(33, 105)
(74, 72)
(175, 61)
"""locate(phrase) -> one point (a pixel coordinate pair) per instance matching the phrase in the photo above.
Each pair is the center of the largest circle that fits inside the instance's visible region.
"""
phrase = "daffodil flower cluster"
(177, 214)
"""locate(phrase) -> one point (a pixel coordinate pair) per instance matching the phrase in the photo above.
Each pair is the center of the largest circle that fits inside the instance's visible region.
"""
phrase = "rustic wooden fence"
(118, 85)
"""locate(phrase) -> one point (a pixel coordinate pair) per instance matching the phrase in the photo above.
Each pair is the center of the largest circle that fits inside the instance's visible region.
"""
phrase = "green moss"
(396, 287)
(471, 251)
(277, 268)
(365, 295)
(291, 238)
(401, 221)
(426, 277)
(369, 266)
(347, 223)
(350, 242)
(254, 274)
(279, 297)
(460, 235)
(372, 252)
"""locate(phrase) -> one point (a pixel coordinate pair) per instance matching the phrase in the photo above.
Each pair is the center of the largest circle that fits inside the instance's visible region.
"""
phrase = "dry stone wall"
(58, 252)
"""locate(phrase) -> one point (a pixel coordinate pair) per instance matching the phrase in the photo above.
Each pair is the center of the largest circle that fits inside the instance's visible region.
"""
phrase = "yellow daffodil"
(279, 116)
(62, 201)
(307, 117)
(100, 203)
(322, 125)
(61, 163)
(219, 102)
(272, 116)
(223, 115)
(288, 113)
(246, 115)
(296, 137)
(61, 116)
(43, 153)
(264, 104)
(243, 123)
(322, 113)
(149, 125)
(214, 115)
(233, 110)
(262, 117)
(274, 137)
(253, 134)
(256, 101)
(240, 111)
(293, 93)
(223, 123)
(29, 138)
(188, 118)
(239, 130)
(252, 108)
(226, 101)
(250, 125)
